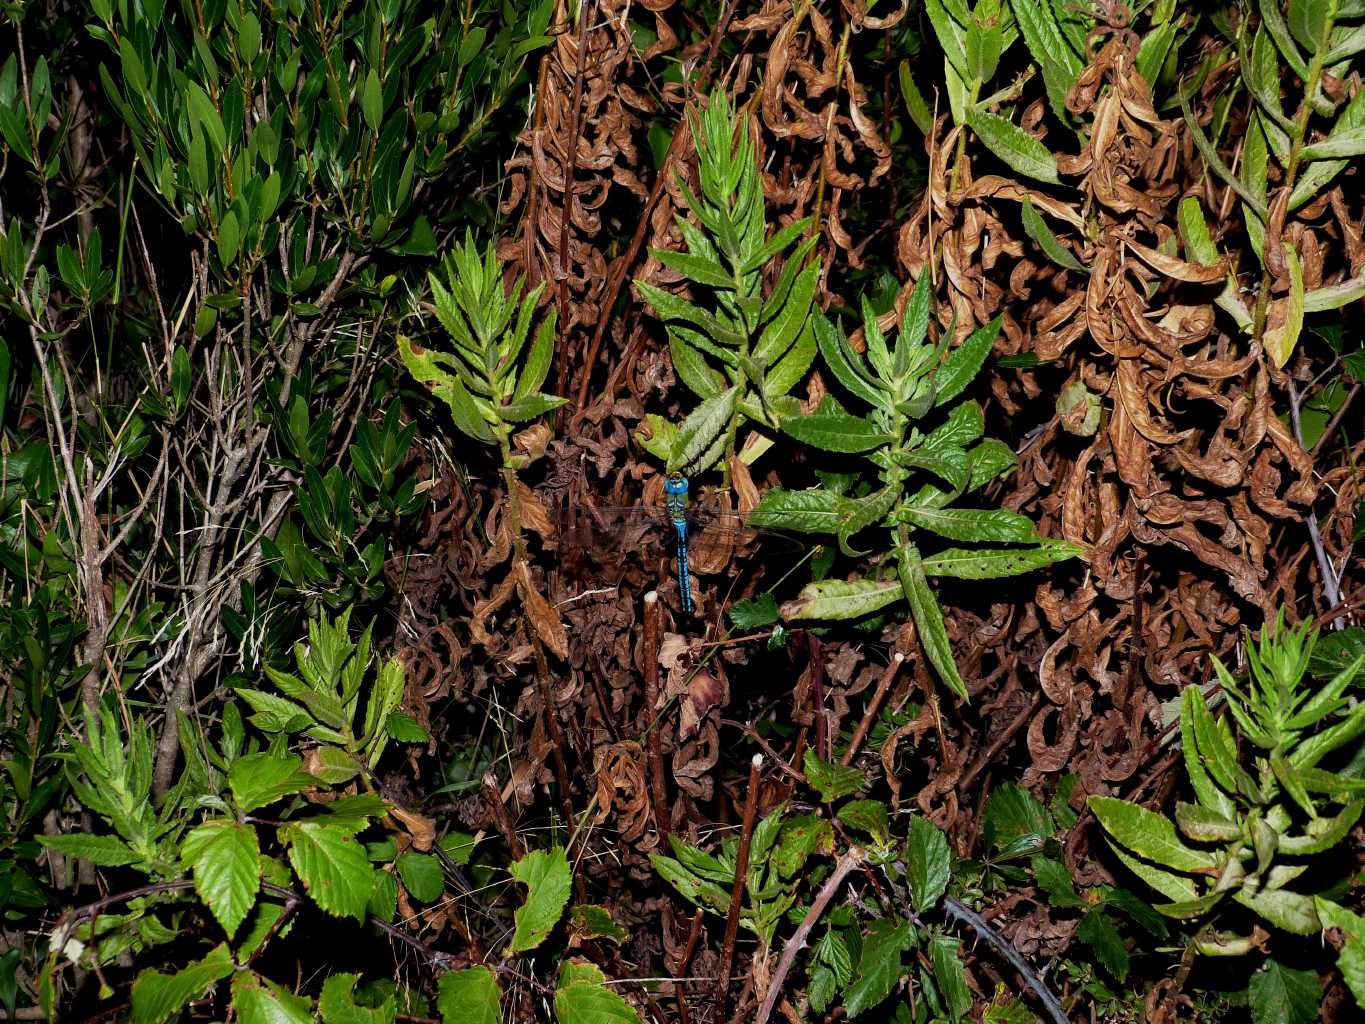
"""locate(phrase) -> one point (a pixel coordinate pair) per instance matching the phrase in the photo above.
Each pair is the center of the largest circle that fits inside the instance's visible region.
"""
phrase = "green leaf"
(160, 997)
(1334, 296)
(928, 616)
(406, 729)
(229, 236)
(260, 779)
(372, 100)
(1194, 231)
(546, 876)
(180, 378)
(929, 863)
(592, 921)
(879, 967)
(1147, 834)
(259, 1000)
(1215, 162)
(915, 105)
(700, 431)
(332, 765)
(337, 1003)
(998, 526)
(992, 563)
(469, 997)
(1017, 149)
(206, 114)
(1014, 819)
(1099, 933)
(583, 998)
(869, 816)
(101, 851)
(1036, 228)
(1055, 880)
(950, 975)
(964, 362)
(1280, 340)
(1351, 960)
(1291, 911)
(695, 267)
(272, 713)
(839, 600)
(422, 875)
(831, 781)
(835, 432)
(802, 835)
(226, 860)
(1283, 995)
(332, 866)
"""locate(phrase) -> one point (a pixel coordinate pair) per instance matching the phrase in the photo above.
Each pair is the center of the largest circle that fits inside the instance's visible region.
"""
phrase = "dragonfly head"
(675, 486)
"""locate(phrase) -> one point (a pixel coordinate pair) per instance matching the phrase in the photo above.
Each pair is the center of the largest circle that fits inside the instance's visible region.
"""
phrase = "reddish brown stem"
(501, 818)
(746, 838)
(653, 744)
(873, 707)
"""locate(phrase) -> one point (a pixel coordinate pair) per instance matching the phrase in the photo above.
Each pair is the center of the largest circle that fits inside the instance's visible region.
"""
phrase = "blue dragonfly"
(704, 540)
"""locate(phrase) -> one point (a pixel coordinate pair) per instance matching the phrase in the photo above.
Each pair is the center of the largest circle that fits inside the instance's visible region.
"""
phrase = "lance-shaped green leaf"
(1319, 173)
(993, 526)
(700, 892)
(700, 269)
(914, 101)
(844, 362)
(835, 431)
(1215, 162)
(842, 599)
(1280, 339)
(928, 616)
(1291, 911)
(965, 362)
(1209, 793)
(1148, 835)
(995, 563)
(102, 851)
(670, 307)
(1016, 148)
(449, 388)
(701, 430)
(1036, 228)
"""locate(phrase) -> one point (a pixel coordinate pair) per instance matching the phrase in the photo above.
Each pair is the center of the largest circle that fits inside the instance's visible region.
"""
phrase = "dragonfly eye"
(676, 484)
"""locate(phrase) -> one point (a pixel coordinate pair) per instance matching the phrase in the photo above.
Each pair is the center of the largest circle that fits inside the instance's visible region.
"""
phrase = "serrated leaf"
(332, 865)
(965, 362)
(831, 781)
(1281, 339)
(1055, 880)
(101, 851)
(259, 1000)
(470, 996)
(993, 563)
(226, 860)
(869, 816)
(839, 600)
(700, 431)
(583, 998)
(1016, 148)
(1099, 933)
(1148, 834)
(1290, 911)
(1282, 995)
(928, 616)
(546, 875)
(928, 862)
(879, 967)
(801, 836)
(835, 432)
(158, 997)
(260, 779)
(422, 875)
(337, 1003)
(997, 526)
(944, 953)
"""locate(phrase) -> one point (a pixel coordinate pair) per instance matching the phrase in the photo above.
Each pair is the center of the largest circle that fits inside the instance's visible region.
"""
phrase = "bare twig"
(746, 837)
(850, 861)
(653, 746)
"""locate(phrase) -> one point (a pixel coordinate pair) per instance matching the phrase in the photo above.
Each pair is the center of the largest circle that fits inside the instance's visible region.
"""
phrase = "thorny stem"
(847, 863)
(966, 915)
(746, 838)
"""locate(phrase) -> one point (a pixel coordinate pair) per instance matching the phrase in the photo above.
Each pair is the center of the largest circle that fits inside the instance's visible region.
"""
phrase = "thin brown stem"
(653, 743)
(746, 838)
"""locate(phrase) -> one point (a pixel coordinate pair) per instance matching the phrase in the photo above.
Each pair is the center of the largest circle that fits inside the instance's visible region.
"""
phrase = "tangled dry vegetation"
(1176, 276)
